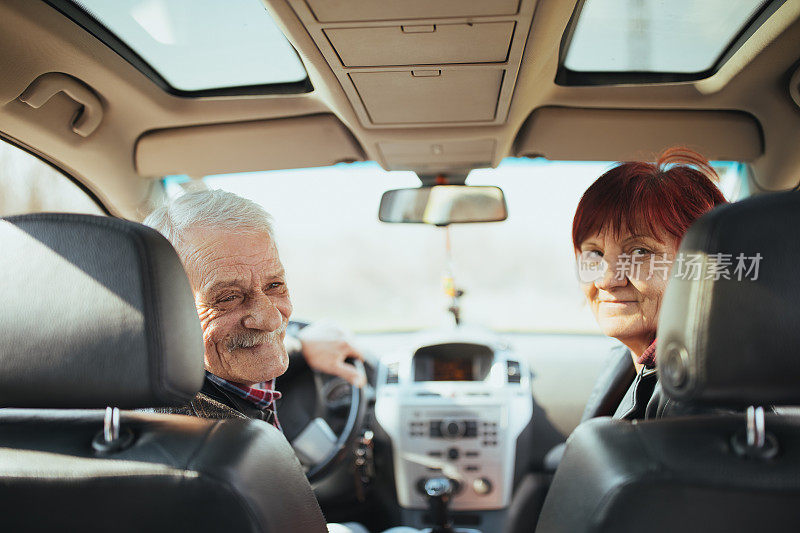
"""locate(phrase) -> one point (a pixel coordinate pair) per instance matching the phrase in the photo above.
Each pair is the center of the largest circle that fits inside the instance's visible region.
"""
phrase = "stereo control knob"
(482, 486)
(452, 429)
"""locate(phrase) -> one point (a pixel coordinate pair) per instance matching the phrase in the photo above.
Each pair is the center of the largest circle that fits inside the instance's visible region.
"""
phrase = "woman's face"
(623, 278)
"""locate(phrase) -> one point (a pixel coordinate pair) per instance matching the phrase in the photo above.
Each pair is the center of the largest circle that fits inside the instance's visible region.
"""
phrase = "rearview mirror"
(441, 205)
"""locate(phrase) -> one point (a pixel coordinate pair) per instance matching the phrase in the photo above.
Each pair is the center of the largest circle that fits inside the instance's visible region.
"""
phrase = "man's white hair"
(209, 208)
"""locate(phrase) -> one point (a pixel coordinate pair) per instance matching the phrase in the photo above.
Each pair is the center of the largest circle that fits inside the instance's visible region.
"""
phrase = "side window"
(733, 179)
(29, 185)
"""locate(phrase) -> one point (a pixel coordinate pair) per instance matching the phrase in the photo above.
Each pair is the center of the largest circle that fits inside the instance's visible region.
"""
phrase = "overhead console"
(425, 44)
(427, 156)
(377, 10)
(427, 95)
(422, 62)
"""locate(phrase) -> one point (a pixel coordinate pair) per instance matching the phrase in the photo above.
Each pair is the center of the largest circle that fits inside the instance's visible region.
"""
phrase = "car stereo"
(454, 409)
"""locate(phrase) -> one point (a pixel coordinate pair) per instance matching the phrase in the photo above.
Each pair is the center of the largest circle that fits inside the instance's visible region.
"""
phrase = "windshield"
(343, 264)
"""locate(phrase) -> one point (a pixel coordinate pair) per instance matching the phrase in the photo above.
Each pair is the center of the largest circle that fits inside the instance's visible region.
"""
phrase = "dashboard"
(454, 403)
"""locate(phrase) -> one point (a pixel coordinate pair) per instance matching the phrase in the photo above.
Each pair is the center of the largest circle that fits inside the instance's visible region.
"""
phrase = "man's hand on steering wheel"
(329, 357)
(317, 352)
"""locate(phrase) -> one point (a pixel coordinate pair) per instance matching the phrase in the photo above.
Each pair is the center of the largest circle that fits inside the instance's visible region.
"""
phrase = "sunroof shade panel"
(198, 45)
(670, 36)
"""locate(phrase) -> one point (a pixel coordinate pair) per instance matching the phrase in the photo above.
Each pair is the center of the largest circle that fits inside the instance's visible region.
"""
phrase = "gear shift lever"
(439, 490)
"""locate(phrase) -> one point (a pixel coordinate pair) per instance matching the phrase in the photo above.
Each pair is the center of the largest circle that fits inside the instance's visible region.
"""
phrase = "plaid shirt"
(262, 396)
(648, 357)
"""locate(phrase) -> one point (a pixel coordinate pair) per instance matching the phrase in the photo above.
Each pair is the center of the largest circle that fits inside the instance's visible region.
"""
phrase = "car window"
(30, 185)
(629, 36)
(342, 263)
(198, 45)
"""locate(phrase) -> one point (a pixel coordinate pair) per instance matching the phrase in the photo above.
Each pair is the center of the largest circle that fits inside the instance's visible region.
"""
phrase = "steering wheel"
(319, 430)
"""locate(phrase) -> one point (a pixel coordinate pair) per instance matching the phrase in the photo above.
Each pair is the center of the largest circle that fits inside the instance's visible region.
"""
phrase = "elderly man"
(227, 247)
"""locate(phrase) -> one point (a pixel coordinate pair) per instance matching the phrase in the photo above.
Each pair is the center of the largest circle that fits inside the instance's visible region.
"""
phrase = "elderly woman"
(626, 233)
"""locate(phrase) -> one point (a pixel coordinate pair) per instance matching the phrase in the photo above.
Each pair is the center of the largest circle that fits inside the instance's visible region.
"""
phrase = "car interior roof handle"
(46, 86)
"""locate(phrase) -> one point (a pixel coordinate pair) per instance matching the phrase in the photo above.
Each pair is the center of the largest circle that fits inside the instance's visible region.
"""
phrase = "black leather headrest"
(730, 341)
(96, 312)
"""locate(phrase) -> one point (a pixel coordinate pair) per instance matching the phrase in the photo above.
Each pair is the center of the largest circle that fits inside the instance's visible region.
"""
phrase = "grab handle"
(48, 85)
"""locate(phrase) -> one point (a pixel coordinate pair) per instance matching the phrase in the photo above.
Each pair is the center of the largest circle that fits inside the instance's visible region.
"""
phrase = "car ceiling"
(432, 117)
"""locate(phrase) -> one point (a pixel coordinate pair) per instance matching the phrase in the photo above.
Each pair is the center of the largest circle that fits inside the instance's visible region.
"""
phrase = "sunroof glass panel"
(673, 36)
(198, 45)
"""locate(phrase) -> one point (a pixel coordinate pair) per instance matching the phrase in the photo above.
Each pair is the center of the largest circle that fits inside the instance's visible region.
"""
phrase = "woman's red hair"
(665, 196)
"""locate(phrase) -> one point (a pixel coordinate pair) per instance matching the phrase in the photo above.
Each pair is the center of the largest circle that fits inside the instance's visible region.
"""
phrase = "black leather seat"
(724, 344)
(98, 312)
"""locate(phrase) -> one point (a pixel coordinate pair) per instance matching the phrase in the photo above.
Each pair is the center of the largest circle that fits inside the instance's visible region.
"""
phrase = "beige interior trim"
(246, 146)
(436, 157)
(35, 39)
(625, 135)
(769, 31)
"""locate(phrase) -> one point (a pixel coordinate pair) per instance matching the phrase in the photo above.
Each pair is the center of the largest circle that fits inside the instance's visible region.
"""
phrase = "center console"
(453, 408)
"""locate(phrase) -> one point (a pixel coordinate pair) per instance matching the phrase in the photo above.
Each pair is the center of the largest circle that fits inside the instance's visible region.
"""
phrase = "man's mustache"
(250, 338)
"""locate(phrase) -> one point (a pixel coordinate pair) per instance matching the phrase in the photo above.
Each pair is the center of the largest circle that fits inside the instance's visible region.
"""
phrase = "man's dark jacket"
(214, 402)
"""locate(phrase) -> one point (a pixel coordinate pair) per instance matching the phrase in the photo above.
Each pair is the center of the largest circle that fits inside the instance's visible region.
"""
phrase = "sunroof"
(670, 36)
(199, 45)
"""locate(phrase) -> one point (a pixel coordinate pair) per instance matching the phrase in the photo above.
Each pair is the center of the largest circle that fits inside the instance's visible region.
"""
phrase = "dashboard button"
(453, 453)
(471, 429)
(513, 372)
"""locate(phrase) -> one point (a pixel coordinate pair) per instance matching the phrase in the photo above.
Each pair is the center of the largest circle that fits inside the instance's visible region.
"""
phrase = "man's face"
(241, 296)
